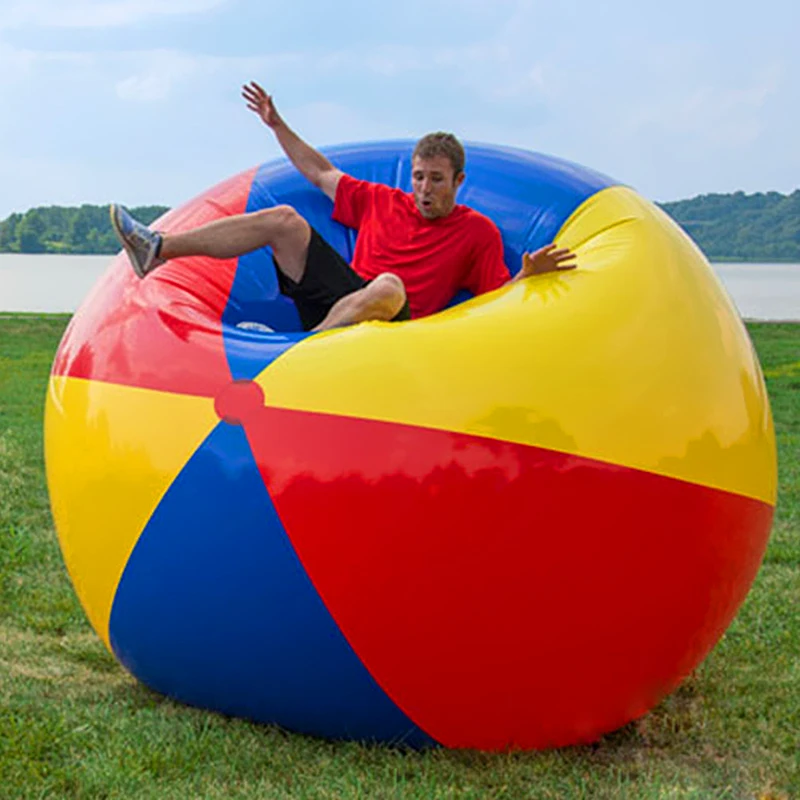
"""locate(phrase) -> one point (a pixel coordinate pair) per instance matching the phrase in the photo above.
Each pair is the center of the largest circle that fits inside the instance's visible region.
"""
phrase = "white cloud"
(492, 69)
(16, 62)
(164, 69)
(96, 13)
(665, 106)
(158, 74)
(332, 123)
(718, 115)
(23, 81)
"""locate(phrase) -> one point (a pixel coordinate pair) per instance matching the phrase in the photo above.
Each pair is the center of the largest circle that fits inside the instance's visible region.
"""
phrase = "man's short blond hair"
(442, 144)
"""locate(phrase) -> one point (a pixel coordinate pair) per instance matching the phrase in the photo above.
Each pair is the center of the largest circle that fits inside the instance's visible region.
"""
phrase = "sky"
(138, 101)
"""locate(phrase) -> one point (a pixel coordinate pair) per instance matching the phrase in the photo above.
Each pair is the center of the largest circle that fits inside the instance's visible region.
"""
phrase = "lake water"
(51, 284)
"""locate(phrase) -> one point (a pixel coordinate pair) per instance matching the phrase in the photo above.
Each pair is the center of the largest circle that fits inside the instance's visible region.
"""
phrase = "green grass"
(73, 724)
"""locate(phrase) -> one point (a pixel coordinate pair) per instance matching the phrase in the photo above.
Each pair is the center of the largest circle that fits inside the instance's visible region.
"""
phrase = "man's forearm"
(308, 161)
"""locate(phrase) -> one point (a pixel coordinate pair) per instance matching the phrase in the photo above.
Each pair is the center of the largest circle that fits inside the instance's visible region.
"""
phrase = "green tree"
(82, 224)
(8, 233)
(30, 233)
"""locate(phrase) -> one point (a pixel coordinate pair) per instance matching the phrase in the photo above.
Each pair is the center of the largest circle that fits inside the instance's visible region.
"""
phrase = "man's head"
(437, 170)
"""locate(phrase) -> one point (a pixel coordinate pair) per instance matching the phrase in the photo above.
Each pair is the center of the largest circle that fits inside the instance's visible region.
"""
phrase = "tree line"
(66, 230)
(736, 227)
(742, 227)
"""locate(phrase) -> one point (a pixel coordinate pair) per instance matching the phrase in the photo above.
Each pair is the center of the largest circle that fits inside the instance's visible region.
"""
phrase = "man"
(413, 253)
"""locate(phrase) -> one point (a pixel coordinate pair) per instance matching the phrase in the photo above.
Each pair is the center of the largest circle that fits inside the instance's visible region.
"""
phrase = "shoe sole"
(112, 212)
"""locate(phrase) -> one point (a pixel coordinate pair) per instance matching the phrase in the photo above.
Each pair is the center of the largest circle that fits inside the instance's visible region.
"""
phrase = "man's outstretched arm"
(308, 161)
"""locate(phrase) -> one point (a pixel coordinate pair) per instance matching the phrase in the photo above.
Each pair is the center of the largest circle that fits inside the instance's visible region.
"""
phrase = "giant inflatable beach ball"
(518, 523)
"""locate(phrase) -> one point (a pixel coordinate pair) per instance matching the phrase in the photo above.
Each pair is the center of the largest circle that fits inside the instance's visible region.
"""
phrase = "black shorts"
(327, 279)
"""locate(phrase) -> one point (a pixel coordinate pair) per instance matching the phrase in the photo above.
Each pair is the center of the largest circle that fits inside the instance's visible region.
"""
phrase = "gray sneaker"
(140, 243)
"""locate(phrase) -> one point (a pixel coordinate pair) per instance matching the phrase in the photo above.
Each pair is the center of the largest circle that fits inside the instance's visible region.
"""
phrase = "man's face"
(434, 183)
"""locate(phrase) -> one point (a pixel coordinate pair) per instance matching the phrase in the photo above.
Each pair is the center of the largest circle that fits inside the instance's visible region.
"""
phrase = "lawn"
(73, 724)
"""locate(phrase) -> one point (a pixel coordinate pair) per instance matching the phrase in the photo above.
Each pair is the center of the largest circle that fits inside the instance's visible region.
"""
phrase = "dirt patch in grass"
(77, 662)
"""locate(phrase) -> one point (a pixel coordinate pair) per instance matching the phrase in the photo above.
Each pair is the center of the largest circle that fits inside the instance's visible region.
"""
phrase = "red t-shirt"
(434, 258)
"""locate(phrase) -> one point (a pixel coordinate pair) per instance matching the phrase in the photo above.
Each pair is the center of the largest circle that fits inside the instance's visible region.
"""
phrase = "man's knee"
(284, 220)
(285, 230)
(389, 292)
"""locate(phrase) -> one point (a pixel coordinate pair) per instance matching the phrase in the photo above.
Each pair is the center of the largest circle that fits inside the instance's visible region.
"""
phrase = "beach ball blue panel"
(215, 609)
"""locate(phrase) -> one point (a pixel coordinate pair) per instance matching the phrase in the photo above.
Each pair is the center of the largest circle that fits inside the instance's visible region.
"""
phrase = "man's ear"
(459, 179)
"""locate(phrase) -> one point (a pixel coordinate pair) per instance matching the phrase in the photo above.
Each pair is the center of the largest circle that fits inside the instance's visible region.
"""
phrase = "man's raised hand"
(259, 101)
(547, 259)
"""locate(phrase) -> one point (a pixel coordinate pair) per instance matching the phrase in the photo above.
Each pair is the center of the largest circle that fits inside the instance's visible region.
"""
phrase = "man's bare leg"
(382, 299)
(281, 228)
